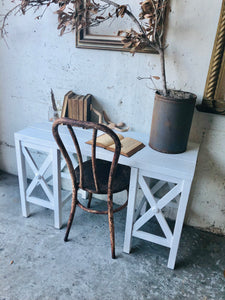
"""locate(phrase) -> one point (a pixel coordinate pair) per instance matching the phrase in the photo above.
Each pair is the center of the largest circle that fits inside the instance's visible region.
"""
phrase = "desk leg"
(22, 175)
(56, 166)
(130, 209)
(179, 223)
(83, 193)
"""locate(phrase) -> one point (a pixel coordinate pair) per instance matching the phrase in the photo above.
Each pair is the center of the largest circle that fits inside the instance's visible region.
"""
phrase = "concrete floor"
(35, 263)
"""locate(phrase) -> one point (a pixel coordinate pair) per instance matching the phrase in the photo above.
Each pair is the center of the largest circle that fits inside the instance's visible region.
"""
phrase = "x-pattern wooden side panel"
(65, 174)
(156, 206)
(38, 174)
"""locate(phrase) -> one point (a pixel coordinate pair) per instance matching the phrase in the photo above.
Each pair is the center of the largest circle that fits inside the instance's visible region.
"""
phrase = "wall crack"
(2, 143)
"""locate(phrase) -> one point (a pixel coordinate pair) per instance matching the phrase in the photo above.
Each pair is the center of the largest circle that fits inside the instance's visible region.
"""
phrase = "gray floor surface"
(35, 263)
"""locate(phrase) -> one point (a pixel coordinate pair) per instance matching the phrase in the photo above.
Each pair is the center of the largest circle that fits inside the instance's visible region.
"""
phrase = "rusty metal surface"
(171, 123)
(88, 175)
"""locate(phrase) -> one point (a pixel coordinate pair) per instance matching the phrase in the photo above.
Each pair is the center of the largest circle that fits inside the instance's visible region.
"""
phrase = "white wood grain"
(179, 223)
(56, 169)
(130, 209)
(22, 178)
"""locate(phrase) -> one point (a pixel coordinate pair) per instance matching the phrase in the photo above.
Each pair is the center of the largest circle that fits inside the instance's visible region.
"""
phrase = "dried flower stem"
(163, 70)
(157, 42)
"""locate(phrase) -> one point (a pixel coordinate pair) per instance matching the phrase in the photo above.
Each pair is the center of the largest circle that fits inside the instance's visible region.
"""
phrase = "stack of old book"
(76, 106)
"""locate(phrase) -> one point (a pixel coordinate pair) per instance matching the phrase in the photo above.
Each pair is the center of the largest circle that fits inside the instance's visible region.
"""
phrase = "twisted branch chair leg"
(111, 227)
(72, 212)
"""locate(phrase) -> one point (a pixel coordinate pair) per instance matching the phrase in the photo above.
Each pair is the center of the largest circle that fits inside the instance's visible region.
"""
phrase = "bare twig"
(151, 78)
(53, 101)
(2, 28)
(54, 104)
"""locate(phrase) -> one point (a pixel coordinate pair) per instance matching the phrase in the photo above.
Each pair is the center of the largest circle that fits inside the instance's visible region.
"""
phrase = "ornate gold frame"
(213, 99)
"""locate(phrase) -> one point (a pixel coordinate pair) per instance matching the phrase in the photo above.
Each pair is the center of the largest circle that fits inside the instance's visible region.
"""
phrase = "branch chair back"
(95, 176)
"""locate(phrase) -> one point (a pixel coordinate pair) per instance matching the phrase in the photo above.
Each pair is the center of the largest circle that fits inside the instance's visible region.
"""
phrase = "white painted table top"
(178, 165)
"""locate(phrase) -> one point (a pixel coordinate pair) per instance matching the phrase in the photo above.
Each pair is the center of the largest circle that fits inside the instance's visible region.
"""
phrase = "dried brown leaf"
(62, 7)
(120, 32)
(148, 16)
(99, 18)
(121, 10)
(127, 45)
(62, 30)
(125, 40)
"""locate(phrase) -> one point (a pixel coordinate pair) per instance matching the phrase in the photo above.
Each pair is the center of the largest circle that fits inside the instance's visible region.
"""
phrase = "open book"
(129, 146)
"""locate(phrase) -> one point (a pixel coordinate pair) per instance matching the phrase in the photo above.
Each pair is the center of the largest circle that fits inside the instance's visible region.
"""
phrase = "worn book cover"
(87, 107)
(80, 108)
(73, 107)
(64, 112)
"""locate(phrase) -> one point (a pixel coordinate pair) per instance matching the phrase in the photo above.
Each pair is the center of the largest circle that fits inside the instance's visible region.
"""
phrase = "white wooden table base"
(175, 170)
(53, 201)
(135, 220)
(53, 160)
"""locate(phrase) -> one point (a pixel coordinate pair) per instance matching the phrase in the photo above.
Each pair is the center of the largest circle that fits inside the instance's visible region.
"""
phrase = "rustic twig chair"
(95, 176)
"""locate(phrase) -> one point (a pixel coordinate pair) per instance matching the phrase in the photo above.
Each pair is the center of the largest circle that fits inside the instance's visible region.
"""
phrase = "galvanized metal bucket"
(171, 122)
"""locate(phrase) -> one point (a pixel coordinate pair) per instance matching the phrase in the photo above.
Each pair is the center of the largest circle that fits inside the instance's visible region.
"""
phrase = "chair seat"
(120, 180)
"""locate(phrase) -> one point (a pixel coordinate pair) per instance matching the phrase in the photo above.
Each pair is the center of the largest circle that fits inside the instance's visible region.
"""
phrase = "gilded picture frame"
(214, 93)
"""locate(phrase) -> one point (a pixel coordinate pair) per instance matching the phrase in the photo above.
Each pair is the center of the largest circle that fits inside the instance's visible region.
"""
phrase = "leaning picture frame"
(104, 36)
(214, 94)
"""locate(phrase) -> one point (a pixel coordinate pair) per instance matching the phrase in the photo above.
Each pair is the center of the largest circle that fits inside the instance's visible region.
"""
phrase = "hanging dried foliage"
(73, 15)
(133, 40)
(153, 15)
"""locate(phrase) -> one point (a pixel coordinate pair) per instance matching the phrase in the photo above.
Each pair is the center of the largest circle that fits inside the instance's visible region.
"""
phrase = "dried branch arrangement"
(73, 15)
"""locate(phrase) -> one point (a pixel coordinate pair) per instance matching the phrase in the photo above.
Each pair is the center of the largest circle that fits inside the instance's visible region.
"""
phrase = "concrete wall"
(38, 59)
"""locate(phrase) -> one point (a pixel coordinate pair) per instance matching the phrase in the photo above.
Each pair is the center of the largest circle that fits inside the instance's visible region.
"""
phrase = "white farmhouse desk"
(150, 171)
